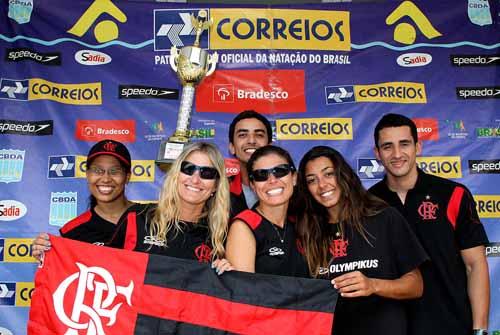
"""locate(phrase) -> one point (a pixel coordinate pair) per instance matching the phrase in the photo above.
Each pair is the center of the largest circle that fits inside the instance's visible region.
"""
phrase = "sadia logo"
(61, 167)
(370, 168)
(239, 28)
(475, 60)
(97, 130)
(5, 331)
(173, 27)
(11, 210)
(314, 129)
(146, 92)
(11, 165)
(21, 54)
(17, 250)
(485, 92)
(488, 206)
(414, 59)
(393, 92)
(63, 207)
(231, 91)
(488, 166)
(29, 128)
(442, 166)
(427, 129)
(92, 57)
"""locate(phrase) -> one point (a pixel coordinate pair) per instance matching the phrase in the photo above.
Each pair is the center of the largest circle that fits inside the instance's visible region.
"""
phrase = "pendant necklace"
(281, 238)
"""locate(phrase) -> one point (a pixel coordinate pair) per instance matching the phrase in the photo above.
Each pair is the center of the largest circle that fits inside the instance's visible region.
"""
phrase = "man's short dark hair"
(395, 120)
(251, 114)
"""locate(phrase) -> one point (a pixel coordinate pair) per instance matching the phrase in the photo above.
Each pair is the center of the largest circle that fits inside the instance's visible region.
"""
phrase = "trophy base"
(168, 153)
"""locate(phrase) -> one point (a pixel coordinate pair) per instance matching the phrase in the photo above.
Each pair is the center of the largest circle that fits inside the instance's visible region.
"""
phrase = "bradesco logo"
(487, 166)
(11, 210)
(427, 129)
(92, 57)
(484, 92)
(442, 166)
(475, 60)
(493, 249)
(146, 92)
(141, 170)
(240, 28)
(97, 130)
(488, 206)
(232, 166)
(231, 91)
(414, 59)
(314, 129)
(29, 128)
(393, 92)
(21, 54)
(16, 250)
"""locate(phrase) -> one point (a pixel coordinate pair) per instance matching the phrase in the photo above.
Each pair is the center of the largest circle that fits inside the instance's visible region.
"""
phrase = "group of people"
(406, 256)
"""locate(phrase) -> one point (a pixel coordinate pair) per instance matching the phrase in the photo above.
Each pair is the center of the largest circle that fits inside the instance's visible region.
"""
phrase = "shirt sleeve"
(469, 230)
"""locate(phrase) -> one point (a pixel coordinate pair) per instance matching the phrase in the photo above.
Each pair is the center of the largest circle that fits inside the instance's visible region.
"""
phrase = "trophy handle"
(174, 54)
(212, 60)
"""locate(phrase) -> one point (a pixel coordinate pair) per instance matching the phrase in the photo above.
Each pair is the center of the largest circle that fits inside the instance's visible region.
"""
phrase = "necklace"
(338, 229)
(281, 238)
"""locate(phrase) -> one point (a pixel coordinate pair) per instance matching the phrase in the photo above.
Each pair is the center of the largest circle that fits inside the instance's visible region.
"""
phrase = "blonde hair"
(166, 217)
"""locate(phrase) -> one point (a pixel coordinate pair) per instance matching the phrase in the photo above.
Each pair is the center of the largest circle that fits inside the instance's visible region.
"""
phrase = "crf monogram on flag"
(92, 290)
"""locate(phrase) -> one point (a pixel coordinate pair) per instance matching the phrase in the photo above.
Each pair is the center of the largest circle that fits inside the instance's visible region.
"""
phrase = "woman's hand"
(221, 266)
(354, 284)
(40, 244)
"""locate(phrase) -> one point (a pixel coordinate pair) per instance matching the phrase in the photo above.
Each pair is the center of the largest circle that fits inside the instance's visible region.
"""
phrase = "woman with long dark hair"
(364, 247)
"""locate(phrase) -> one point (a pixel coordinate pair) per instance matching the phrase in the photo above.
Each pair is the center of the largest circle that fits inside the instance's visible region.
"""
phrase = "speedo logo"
(32, 128)
(484, 92)
(488, 206)
(146, 92)
(493, 249)
(314, 129)
(442, 166)
(22, 54)
(475, 60)
(484, 166)
(392, 92)
(237, 28)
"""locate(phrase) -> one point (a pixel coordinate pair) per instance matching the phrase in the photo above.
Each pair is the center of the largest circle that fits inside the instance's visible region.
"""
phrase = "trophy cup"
(192, 64)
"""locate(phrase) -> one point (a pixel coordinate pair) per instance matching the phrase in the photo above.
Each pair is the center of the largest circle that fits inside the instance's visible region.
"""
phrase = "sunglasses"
(206, 172)
(278, 171)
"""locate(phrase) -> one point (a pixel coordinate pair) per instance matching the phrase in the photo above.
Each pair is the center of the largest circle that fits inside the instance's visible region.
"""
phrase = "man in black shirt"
(444, 218)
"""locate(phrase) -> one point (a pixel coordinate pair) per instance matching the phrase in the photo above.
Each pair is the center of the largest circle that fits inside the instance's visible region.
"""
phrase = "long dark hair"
(355, 204)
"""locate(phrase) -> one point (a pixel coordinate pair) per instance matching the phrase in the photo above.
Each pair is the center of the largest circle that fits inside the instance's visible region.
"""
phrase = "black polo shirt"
(443, 215)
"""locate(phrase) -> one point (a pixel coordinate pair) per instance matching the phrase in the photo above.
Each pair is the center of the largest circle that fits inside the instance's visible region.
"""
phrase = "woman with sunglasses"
(108, 172)
(191, 218)
(364, 247)
(263, 239)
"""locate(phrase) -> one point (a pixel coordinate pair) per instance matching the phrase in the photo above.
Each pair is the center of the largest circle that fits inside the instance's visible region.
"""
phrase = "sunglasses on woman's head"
(278, 171)
(206, 172)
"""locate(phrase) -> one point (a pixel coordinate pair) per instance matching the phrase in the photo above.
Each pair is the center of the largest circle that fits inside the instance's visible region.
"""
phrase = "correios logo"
(11, 210)
(414, 59)
(92, 57)
(442, 166)
(314, 129)
(488, 206)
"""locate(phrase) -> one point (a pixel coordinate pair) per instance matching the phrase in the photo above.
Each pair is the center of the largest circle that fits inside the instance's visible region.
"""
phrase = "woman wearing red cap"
(108, 172)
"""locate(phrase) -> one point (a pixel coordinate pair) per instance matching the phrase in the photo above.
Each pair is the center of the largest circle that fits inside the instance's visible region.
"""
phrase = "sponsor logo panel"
(146, 92)
(5, 331)
(370, 168)
(475, 60)
(73, 94)
(482, 92)
(485, 166)
(414, 59)
(442, 166)
(16, 250)
(280, 29)
(97, 130)
(63, 207)
(143, 171)
(314, 129)
(30, 128)
(231, 91)
(488, 132)
(24, 291)
(22, 54)
(232, 166)
(11, 165)
(92, 57)
(61, 167)
(14, 89)
(488, 206)
(493, 249)
(427, 129)
(20, 11)
(456, 129)
(392, 92)
(11, 210)
(7, 294)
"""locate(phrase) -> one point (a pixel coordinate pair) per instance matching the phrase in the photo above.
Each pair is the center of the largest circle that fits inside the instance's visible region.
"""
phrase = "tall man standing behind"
(444, 217)
(248, 131)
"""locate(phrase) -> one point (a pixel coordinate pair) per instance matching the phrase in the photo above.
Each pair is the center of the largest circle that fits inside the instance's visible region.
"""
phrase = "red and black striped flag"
(92, 290)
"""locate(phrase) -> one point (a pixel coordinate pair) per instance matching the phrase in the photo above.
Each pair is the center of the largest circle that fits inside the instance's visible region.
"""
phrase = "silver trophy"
(192, 64)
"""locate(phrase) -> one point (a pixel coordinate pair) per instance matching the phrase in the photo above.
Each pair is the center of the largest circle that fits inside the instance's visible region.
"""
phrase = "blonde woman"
(191, 218)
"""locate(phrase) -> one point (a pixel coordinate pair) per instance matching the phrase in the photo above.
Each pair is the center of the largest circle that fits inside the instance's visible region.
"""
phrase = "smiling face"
(249, 135)
(110, 186)
(322, 184)
(193, 190)
(398, 151)
(274, 191)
